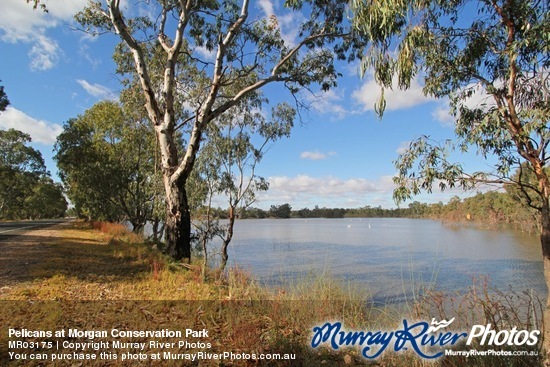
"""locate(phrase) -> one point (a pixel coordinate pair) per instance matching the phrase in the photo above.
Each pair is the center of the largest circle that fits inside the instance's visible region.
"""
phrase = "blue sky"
(340, 156)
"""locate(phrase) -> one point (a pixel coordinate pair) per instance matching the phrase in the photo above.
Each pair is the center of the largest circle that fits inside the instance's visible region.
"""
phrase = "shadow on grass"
(29, 257)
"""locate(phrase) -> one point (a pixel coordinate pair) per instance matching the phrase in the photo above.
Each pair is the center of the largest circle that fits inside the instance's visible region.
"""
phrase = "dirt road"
(23, 244)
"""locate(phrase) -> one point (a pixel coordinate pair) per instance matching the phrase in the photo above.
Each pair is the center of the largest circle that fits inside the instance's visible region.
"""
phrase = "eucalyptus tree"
(106, 162)
(280, 211)
(25, 184)
(133, 107)
(229, 47)
(45, 199)
(24, 180)
(490, 59)
(20, 167)
(236, 143)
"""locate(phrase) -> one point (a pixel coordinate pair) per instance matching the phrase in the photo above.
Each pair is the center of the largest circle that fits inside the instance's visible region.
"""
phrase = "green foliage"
(364, 212)
(493, 69)
(225, 26)
(197, 61)
(20, 167)
(424, 164)
(280, 211)
(4, 101)
(17, 156)
(234, 146)
(492, 209)
(46, 200)
(106, 161)
(255, 213)
(524, 187)
(24, 183)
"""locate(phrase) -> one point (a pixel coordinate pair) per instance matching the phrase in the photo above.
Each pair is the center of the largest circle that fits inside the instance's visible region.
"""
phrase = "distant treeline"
(491, 209)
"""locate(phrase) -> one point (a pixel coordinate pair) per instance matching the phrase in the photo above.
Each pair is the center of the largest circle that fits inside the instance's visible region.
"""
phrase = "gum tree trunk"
(178, 220)
(544, 192)
(227, 239)
(158, 229)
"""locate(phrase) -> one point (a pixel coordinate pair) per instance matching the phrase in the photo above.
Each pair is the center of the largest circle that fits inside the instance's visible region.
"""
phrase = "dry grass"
(108, 263)
(99, 277)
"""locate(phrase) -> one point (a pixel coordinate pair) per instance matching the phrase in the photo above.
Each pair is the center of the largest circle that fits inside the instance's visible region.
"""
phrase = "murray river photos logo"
(427, 340)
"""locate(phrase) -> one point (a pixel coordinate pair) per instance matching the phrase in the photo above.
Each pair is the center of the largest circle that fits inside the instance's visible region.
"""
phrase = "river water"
(393, 258)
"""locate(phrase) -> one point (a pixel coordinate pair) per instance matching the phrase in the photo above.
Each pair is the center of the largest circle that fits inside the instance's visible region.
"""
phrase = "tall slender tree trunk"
(227, 239)
(178, 220)
(158, 229)
(544, 187)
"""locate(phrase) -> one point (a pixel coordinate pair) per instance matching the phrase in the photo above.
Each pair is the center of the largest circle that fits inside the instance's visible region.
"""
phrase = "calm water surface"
(392, 257)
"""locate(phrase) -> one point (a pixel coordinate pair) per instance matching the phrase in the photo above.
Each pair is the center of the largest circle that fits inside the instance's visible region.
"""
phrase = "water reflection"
(392, 257)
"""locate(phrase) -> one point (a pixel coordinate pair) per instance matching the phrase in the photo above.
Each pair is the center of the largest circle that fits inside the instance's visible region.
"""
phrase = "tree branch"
(141, 67)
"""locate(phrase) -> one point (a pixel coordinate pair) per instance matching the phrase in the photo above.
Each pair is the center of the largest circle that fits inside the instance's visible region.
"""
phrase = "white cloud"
(64, 9)
(328, 103)
(84, 53)
(290, 27)
(443, 114)
(352, 69)
(478, 99)
(97, 90)
(267, 7)
(44, 54)
(40, 131)
(316, 155)
(20, 23)
(396, 98)
(305, 190)
(205, 53)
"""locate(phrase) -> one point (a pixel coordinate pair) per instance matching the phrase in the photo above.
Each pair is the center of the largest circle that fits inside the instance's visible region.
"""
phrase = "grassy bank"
(96, 277)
